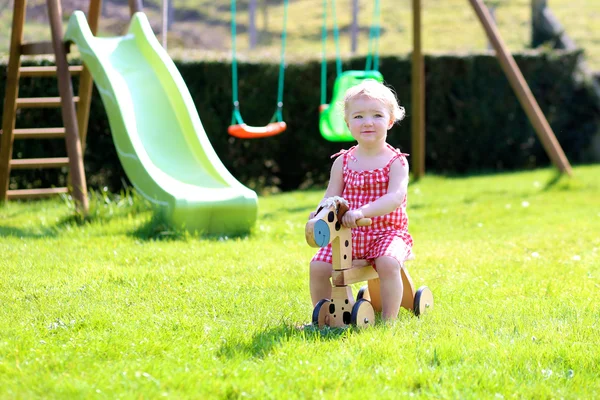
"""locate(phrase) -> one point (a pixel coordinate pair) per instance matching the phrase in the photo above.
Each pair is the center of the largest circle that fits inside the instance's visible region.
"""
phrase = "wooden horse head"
(326, 228)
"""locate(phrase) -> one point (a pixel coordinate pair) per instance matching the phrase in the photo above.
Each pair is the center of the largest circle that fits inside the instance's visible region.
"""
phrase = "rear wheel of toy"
(363, 293)
(423, 300)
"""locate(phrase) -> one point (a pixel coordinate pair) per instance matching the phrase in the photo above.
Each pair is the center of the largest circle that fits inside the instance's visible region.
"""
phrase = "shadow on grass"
(553, 181)
(9, 231)
(78, 219)
(264, 341)
(561, 182)
(287, 211)
(158, 229)
(73, 219)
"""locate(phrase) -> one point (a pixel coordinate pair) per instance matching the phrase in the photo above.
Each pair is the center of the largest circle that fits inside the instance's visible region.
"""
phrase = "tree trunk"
(265, 15)
(165, 23)
(354, 30)
(539, 34)
(171, 15)
(252, 23)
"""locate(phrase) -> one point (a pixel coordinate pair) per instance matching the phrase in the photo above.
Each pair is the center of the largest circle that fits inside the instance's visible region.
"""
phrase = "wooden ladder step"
(48, 71)
(32, 163)
(40, 48)
(39, 133)
(35, 193)
(41, 102)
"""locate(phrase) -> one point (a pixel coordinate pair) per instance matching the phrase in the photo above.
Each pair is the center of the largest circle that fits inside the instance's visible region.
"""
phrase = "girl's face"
(368, 119)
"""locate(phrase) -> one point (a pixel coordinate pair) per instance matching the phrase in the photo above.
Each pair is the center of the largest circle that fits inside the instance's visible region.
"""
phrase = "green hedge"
(474, 121)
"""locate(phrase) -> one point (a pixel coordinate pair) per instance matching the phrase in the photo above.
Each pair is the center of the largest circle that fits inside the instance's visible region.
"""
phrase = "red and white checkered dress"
(388, 234)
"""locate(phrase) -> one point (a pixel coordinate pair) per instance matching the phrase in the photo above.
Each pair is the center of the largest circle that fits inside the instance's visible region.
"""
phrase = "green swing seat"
(331, 119)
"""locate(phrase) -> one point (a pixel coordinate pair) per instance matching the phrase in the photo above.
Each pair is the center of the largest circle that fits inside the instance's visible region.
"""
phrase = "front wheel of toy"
(423, 300)
(363, 314)
(320, 315)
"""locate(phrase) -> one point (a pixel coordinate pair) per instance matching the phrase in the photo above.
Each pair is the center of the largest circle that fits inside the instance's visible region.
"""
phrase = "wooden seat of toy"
(362, 270)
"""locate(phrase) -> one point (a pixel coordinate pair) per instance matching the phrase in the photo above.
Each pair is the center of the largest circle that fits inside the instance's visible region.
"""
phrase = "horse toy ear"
(337, 202)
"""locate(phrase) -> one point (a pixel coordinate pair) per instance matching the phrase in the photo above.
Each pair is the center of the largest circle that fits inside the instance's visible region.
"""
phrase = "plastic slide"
(157, 131)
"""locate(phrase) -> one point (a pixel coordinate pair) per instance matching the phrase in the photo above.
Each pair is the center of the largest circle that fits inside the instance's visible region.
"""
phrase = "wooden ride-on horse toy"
(341, 310)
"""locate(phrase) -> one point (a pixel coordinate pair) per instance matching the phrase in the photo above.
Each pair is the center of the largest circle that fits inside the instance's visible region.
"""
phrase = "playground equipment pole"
(418, 97)
(519, 85)
(12, 90)
(135, 6)
(77, 173)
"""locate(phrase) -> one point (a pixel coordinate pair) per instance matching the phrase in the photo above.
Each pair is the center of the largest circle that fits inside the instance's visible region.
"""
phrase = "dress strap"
(397, 155)
(346, 154)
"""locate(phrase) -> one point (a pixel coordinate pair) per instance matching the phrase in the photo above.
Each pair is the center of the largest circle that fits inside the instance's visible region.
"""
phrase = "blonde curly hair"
(377, 91)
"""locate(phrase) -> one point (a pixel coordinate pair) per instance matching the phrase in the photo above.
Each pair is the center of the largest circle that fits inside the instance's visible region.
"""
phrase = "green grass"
(118, 306)
(202, 28)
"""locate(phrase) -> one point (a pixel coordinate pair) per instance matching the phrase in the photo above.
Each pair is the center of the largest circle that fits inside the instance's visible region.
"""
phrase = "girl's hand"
(349, 219)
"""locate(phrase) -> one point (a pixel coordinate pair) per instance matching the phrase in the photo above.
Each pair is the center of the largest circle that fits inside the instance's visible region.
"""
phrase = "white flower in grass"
(525, 204)
(536, 184)
(576, 257)
(535, 254)
(508, 206)
(547, 373)
(479, 224)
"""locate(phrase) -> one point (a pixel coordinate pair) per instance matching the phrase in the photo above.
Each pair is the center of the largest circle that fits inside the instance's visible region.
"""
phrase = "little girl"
(373, 177)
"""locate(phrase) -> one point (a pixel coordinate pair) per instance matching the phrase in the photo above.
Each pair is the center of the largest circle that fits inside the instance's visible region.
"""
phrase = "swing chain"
(236, 115)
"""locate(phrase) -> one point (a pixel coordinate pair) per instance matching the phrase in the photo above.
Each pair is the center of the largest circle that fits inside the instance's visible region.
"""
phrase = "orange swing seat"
(244, 131)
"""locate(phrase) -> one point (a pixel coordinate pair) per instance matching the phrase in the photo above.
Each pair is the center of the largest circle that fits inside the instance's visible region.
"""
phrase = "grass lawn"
(119, 307)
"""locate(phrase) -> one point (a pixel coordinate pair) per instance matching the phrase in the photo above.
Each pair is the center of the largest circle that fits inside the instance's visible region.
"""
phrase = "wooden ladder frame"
(75, 121)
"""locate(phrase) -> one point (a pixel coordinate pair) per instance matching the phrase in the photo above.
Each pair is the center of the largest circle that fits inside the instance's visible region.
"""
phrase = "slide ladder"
(74, 122)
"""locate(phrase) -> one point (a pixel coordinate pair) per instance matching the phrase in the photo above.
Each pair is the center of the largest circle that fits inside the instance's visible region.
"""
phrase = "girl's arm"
(397, 188)
(336, 181)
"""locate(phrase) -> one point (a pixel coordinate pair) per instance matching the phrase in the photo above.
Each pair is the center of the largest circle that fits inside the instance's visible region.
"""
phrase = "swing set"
(331, 120)
(331, 117)
(276, 125)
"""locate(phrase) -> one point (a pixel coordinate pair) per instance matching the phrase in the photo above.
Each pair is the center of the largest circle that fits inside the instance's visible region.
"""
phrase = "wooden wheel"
(362, 314)
(320, 315)
(363, 293)
(423, 300)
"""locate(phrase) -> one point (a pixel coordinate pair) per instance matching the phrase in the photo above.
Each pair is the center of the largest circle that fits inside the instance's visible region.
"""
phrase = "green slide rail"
(157, 132)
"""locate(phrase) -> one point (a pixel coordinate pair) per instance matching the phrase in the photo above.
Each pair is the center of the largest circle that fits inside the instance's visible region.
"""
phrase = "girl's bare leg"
(320, 284)
(390, 279)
